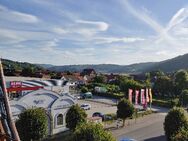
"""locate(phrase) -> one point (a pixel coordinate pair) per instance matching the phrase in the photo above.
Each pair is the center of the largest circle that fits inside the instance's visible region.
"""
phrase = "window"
(60, 119)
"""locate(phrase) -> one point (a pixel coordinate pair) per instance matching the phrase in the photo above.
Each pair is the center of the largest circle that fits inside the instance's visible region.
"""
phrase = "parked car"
(85, 106)
(98, 114)
(86, 95)
(127, 139)
(77, 96)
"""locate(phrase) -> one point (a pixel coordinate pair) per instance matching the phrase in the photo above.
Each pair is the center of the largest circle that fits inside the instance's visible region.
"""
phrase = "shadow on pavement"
(159, 138)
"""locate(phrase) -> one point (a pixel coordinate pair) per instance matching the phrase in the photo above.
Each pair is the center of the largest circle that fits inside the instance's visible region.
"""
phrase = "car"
(85, 106)
(86, 95)
(98, 114)
(127, 139)
(77, 96)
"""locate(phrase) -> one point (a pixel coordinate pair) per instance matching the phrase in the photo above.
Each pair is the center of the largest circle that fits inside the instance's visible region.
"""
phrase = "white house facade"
(56, 107)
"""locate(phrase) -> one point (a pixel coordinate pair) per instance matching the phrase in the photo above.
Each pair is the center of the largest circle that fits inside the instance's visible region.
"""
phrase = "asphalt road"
(148, 128)
(98, 107)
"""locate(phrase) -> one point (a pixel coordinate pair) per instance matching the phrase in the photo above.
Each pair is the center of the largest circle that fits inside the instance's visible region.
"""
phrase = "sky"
(68, 32)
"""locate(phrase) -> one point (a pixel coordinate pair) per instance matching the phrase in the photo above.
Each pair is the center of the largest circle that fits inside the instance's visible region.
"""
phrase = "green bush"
(174, 121)
(32, 124)
(125, 109)
(110, 95)
(92, 132)
(161, 103)
(175, 103)
(181, 135)
(111, 116)
(84, 89)
(184, 97)
(75, 116)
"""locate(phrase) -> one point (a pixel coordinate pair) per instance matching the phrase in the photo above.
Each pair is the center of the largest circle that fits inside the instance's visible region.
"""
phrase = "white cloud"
(163, 52)
(142, 16)
(48, 46)
(8, 36)
(178, 18)
(15, 16)
(98, 25)
(108, 40)
(59, 30)
(83, 28)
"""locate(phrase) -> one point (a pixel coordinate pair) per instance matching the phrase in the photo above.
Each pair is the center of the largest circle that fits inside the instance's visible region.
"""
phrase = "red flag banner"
(130, 95)
(150, 95)
(147, 95)
(142, 96)
(136, 97)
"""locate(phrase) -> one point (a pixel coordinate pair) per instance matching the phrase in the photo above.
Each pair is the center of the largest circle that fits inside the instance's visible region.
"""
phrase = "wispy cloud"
(163, 32)
(101, 26)
(108, 40)
(15, 16)
(71, 36)
(143, 17)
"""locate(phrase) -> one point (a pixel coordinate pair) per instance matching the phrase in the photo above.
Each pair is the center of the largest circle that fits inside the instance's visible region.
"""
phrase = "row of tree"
(172, 85)
(32, 123)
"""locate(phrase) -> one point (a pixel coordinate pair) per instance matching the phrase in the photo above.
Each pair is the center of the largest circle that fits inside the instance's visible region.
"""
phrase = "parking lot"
(98, 107)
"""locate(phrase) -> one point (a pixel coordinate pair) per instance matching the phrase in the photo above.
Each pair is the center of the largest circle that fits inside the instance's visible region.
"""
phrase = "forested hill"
(105, 68)
(170, 65)
(9, 64)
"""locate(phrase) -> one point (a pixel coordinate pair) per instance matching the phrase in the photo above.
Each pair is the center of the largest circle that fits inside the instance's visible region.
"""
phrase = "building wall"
(54, 104)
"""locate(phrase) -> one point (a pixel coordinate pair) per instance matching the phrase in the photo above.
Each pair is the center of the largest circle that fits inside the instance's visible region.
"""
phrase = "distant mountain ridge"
(170, 65)
(105, 68)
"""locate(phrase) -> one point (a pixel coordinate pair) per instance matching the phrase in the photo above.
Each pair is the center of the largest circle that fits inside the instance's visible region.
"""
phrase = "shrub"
(125, 109)
(75, 116)
(184, 97)
(32, 124)
(161, 103)
(110, 117)
(174, 121)
(84, 89)
(92, 132)
(174, 102)
(181, 135)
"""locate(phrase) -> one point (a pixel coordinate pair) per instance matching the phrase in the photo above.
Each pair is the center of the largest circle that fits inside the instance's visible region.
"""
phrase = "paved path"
(148, 128)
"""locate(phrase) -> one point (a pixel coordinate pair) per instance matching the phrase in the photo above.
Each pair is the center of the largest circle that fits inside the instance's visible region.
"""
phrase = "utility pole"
(10, 121)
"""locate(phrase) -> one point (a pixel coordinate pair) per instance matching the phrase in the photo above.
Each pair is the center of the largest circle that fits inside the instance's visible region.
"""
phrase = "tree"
(181, 81)
(99, 79)
(32, 124)
(75, 116)
(124, 109)
(174, 121)
(92, 132)
(28, 71)
(156, 74)
(184, 97)
(181, 135)
(84, 89)
(126, 84)
(164, 86)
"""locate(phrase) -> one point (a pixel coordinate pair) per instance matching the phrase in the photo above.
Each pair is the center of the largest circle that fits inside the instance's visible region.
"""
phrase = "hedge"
(161, 103)
(110, 95)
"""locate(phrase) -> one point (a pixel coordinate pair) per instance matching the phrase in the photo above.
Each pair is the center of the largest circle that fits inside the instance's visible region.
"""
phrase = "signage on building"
(15, 84)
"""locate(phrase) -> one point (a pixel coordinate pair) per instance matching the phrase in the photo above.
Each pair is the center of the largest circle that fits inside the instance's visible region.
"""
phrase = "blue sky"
(62, 32)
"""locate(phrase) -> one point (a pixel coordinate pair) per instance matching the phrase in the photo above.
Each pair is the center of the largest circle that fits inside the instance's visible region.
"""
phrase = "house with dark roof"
(89, 72)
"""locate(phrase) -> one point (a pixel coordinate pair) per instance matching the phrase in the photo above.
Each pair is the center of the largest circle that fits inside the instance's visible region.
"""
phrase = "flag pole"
(7, 105)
